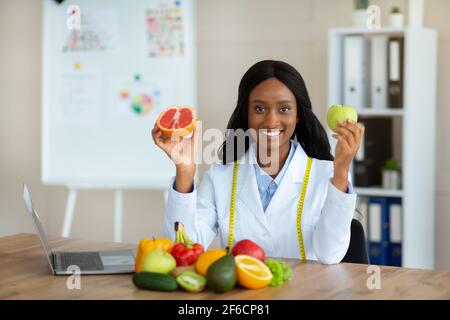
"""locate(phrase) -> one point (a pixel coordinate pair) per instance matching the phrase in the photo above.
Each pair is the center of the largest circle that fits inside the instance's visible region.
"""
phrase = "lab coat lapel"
(247, 188)
(291, 183)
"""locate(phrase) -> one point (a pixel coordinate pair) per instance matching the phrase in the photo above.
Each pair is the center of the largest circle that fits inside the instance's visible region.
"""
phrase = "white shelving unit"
(383, 113)
(379, 192)
(417, 122)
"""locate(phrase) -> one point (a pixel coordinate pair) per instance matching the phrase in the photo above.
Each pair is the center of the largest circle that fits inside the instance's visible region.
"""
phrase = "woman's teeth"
(271, 133)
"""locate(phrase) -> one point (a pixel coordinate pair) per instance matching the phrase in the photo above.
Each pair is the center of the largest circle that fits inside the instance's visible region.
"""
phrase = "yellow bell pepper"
(148, 245)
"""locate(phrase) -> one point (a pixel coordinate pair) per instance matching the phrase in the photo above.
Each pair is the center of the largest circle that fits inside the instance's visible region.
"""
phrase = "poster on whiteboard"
(106, 78)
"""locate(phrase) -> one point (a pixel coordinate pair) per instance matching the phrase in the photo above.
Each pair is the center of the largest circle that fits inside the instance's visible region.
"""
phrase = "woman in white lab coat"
(298, 202)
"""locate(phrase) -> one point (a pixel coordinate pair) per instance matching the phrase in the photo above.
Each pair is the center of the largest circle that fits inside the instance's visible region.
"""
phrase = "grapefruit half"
(176, 121)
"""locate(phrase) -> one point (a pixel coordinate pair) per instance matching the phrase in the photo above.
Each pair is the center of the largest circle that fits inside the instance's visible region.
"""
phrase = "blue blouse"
(268, 186)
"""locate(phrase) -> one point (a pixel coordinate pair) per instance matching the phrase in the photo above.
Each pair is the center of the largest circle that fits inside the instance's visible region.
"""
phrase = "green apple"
(340, 112)
(158, 261)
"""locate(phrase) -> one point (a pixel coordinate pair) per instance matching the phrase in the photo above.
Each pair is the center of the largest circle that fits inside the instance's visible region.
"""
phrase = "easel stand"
(118, 212)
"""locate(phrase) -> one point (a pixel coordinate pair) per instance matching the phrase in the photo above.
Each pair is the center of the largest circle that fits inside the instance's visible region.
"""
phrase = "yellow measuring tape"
(301, 201)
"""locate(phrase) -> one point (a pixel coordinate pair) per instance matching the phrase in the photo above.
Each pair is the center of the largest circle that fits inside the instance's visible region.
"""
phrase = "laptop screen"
(37, 224)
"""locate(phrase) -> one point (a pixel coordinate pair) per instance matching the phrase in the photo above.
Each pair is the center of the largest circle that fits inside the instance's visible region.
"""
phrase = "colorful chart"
(95, 33)
(83, 40)
(141, 103)
(165, 30)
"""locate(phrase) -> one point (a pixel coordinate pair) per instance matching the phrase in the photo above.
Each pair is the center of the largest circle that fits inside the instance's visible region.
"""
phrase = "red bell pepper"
(185, 251)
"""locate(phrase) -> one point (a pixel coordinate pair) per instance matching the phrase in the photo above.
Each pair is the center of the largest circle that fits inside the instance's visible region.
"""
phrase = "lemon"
(251, 272)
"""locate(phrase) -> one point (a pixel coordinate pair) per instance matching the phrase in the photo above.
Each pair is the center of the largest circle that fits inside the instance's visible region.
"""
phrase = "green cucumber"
(155, 281)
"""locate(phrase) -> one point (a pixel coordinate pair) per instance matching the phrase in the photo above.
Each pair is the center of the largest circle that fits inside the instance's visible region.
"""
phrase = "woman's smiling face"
(272, 112)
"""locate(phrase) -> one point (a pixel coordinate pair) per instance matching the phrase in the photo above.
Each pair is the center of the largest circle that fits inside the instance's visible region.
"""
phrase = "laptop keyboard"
(88, 261)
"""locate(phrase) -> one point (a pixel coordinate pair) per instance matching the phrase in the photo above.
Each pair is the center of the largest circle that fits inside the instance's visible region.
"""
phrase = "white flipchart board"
(105, 83)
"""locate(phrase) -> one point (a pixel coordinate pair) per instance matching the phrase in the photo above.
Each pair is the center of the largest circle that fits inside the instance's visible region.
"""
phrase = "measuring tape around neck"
(301, 201)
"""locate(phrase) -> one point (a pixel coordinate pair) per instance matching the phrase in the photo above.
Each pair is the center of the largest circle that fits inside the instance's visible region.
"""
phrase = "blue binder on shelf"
(379, 231)
(395, 232)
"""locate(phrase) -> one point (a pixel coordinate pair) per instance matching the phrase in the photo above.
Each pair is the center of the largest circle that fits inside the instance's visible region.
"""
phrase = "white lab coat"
(326, 218)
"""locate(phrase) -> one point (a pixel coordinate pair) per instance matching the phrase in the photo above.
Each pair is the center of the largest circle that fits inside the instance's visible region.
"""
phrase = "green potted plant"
(391, 174)
(360, 13)
(396, 18)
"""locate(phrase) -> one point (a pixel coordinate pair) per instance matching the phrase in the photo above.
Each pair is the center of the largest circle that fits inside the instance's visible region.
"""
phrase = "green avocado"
(221, 275)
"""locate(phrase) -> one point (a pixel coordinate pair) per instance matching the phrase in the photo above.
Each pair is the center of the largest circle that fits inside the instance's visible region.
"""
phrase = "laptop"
(87, 262)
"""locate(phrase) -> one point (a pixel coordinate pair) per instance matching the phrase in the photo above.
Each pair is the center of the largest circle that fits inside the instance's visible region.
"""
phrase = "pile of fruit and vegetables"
(166, 266)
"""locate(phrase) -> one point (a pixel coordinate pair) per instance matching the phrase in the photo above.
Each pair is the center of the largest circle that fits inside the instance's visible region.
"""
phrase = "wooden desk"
(25, 274)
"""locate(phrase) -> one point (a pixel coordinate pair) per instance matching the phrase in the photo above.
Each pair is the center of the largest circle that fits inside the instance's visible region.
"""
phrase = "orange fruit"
(252, 273)
(208, 258)
(178, 121)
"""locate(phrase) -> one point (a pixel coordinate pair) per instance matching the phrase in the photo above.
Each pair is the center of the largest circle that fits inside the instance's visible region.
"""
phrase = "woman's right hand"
(182, 151)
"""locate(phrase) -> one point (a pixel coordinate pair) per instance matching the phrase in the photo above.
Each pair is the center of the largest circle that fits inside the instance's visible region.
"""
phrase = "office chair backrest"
(357, 249)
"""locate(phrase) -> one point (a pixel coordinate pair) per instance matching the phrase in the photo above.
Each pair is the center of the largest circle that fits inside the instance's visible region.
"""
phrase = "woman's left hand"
(348, 135)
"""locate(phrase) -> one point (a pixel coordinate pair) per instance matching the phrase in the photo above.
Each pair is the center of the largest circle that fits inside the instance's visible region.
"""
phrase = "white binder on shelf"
(395, 222)
(355, 75)
(374, 215)
(379, 72)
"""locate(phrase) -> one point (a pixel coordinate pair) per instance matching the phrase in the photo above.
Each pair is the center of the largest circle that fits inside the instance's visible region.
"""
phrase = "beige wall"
(232, 35)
